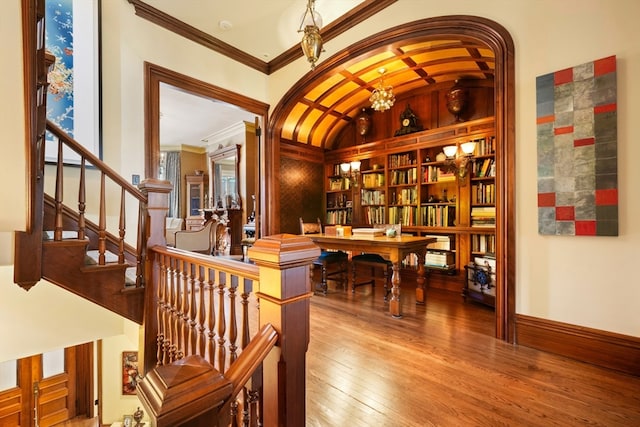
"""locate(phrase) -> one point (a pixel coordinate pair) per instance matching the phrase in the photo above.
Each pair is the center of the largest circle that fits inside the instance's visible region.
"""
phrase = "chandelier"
(382, 97)
(311, 40)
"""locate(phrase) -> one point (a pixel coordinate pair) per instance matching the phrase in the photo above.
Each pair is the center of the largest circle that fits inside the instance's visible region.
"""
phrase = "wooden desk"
(392, 248)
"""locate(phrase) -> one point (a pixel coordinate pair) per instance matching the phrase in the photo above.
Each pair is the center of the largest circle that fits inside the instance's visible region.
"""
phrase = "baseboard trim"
(601, 348)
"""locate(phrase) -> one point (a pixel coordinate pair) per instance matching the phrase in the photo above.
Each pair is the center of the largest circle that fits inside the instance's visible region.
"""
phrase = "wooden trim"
(153, 76)
(356, 15)
(598, 347)
(307, 153)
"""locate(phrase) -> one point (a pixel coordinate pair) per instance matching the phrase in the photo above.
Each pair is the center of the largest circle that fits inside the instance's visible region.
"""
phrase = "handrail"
(94, 160)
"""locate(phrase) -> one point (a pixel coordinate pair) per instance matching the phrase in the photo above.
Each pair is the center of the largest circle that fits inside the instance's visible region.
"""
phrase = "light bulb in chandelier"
(382, 97)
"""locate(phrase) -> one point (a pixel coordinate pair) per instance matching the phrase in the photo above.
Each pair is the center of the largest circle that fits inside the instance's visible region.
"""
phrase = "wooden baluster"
(193, 311)
(142, 246)
(121, 228)
(201, 314)
(233, 321)
(222, 324)
(57, 231)
(172, 302)
(184, 308)
(211, 318)
(82, 200)
(160, 307)
(244, 341)
(168, 297)
(102, 222)
(177, 319)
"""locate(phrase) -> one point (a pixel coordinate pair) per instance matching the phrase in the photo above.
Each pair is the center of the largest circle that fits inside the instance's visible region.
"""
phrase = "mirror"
(225, 176)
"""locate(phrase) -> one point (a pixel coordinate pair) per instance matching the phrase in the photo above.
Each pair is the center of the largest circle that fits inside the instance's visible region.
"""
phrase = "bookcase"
(408, 180)
(339, 198)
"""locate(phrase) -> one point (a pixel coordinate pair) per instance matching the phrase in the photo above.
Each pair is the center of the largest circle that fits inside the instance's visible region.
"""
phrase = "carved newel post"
(284, 262)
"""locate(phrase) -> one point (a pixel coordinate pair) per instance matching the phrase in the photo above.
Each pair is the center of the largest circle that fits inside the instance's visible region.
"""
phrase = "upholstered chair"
(333, 265)
(201, 241)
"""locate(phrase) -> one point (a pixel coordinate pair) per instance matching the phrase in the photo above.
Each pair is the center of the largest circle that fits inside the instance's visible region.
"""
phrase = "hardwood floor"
(441, 366)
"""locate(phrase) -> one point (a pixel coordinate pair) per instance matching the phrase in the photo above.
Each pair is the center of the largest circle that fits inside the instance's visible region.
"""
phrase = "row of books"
(439, 259)
(405, 215)
(406, 159)
(373, 180)
(373, 197)
(483, 193)
(374, 215)
(438, 216)
(483, 243)
(405, 196)
(483, 216)
(404, 176)
(342, 216)
(484, 168)
(485, 146)
(436, 174)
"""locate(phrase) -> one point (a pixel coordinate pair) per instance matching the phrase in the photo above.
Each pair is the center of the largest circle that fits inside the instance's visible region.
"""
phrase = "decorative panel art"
(577, 150)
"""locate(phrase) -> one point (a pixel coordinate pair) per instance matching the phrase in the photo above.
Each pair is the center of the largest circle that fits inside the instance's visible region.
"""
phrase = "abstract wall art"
(577, 150)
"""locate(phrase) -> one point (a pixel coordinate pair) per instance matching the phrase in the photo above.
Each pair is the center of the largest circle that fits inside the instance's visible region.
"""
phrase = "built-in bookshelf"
(408, 180)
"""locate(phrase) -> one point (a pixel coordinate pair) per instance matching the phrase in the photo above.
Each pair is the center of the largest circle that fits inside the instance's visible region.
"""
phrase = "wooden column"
(285, 289)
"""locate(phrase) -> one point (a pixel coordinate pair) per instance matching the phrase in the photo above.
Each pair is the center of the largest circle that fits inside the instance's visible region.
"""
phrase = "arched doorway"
(496, 38)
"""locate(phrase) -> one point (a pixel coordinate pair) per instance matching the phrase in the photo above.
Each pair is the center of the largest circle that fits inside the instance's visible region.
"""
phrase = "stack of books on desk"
(368, 231)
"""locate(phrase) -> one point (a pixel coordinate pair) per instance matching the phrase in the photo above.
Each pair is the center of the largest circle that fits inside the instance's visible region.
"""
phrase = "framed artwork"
(129, 372)
(72, 35)
(577, 150)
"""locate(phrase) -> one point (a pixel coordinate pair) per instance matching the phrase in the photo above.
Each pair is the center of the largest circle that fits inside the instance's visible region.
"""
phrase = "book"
(367, 231)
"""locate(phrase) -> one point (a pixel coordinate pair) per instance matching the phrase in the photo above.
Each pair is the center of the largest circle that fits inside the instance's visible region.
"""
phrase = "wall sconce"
(351, 171)
(311, 40)
(459, 163)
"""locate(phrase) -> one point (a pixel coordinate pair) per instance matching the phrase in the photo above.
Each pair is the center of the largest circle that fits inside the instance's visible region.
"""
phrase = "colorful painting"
(71, 35)
(577, 150)
(129, 372)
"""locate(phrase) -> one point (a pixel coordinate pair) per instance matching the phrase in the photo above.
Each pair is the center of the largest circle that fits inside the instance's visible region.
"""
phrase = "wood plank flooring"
(441, 366)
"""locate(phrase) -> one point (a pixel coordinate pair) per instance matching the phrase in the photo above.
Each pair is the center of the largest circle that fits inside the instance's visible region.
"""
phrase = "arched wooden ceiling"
(335, 97)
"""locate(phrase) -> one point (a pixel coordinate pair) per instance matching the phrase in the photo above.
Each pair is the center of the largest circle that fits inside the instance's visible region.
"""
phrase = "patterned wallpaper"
(301, 193)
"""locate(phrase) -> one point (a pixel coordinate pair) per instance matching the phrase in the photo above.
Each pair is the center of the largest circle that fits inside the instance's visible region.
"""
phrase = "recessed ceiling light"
(225, 25)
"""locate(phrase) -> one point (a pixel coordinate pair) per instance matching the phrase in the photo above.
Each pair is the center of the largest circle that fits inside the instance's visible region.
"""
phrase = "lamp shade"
(344, 167)
(468, 147)
(355, 165)
(450, 150)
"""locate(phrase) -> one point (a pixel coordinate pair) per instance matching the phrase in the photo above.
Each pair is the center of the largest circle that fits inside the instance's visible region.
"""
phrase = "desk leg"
(394, 304)
(421, 289)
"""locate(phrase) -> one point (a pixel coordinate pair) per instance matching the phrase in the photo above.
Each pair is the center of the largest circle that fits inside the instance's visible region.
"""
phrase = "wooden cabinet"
(196, 190)
(409, 180)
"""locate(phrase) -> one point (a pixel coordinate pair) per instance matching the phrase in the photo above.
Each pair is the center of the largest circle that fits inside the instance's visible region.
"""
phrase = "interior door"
(40, 391)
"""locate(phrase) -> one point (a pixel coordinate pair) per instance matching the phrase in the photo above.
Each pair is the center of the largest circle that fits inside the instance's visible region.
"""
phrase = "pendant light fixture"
(311, 40)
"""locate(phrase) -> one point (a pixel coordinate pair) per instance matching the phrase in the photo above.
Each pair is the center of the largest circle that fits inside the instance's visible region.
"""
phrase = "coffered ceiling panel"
(337, 98)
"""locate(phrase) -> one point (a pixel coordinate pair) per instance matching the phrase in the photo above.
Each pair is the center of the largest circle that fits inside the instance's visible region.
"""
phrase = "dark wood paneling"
(602, 348)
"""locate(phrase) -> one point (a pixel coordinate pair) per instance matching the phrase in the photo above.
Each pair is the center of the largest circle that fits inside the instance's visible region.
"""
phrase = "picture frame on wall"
(130, 372)
(72, 35)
